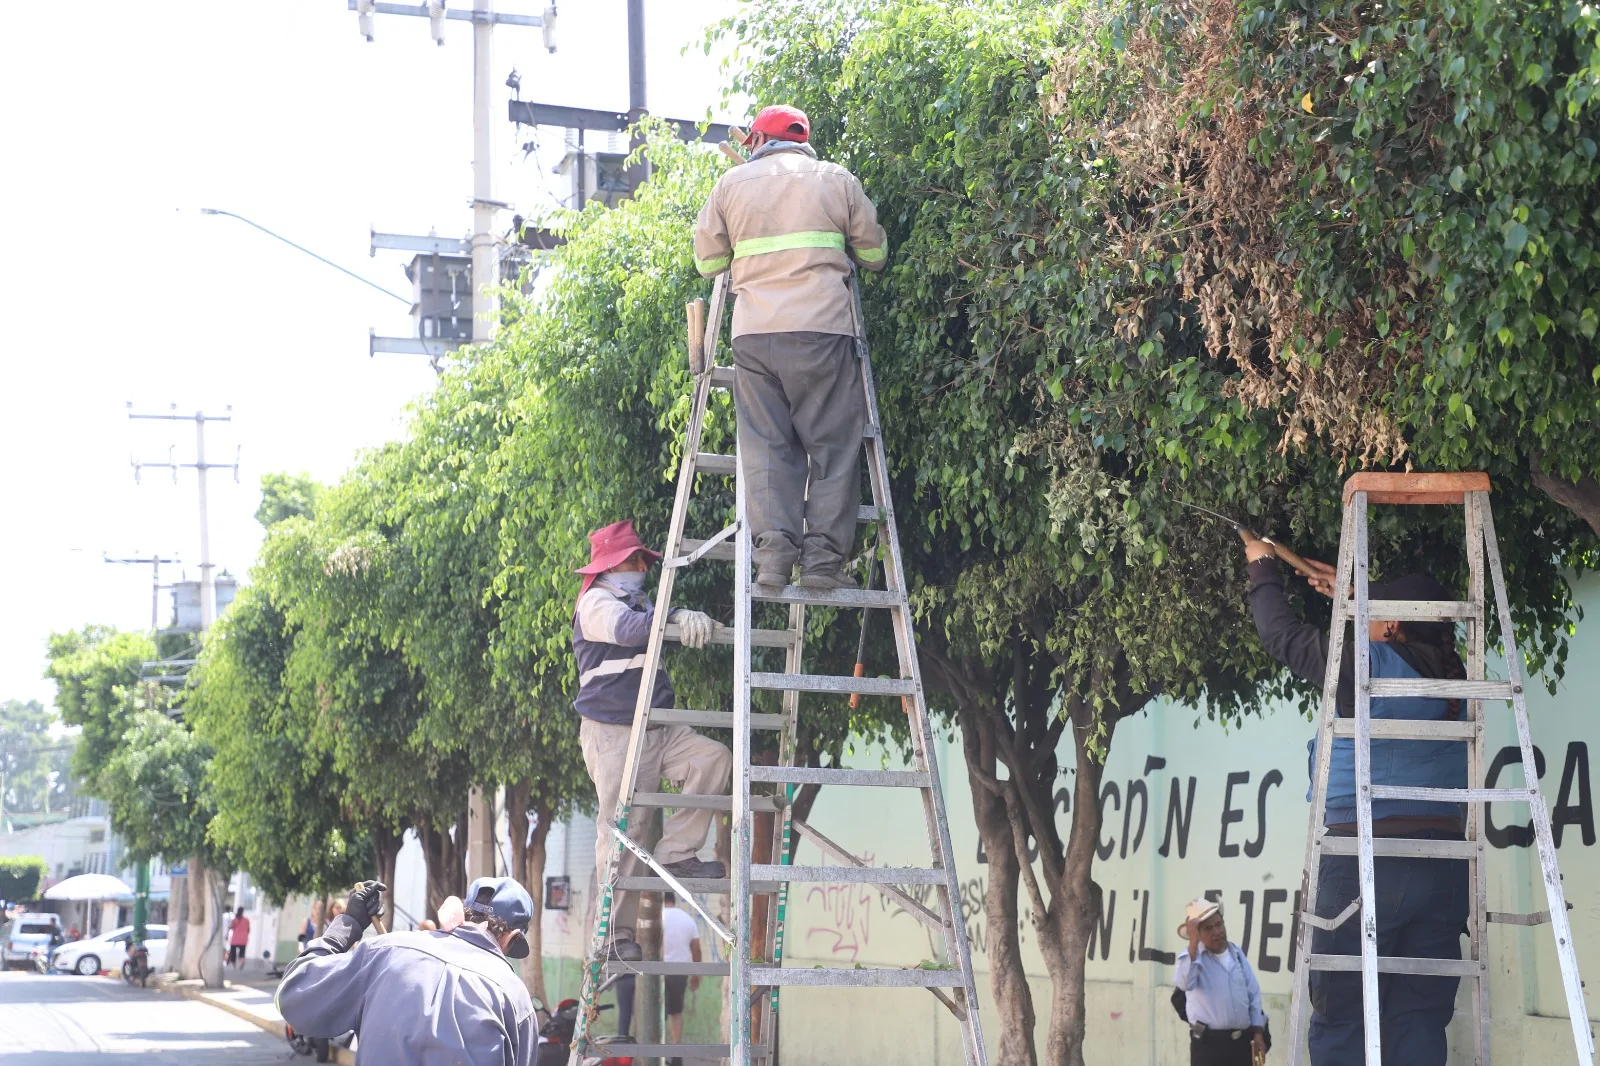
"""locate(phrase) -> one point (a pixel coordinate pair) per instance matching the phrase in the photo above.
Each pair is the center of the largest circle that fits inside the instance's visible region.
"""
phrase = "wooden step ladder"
(751, 967)
(1471, 492)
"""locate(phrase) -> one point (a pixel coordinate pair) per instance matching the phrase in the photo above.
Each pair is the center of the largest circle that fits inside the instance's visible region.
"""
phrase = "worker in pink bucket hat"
(610, 631)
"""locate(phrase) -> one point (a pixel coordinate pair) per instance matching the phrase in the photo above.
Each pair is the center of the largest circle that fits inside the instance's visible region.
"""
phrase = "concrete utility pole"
(212, 975)
(208, 587)
(154, 562)
(485, 257)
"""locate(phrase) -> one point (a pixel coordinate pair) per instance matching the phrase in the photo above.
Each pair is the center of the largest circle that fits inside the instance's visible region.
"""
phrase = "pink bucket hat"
(611, 546)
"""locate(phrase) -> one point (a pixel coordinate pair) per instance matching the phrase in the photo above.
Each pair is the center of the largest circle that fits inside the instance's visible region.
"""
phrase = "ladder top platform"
(1415, 488)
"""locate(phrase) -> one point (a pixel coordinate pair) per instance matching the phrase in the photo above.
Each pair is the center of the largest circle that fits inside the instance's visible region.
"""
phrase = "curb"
(275, 1026)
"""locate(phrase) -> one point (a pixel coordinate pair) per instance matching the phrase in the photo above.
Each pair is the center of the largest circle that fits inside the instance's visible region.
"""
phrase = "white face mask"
(628, 581)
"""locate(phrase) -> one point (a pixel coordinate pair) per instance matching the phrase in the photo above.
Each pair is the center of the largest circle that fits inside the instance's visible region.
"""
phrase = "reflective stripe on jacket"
(609, 633)
(789, 225)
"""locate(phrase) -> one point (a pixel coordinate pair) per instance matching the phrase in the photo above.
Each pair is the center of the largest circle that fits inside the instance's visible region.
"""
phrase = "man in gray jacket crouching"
(420, 998)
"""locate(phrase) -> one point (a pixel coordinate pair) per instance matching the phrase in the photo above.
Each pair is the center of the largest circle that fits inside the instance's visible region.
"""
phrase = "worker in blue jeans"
(1421, 903)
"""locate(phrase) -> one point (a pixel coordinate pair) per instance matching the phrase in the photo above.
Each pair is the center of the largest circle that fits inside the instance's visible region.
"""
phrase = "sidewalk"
(250, 999)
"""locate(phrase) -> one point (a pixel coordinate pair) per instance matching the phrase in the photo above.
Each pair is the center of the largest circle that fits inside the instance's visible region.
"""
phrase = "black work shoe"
(825, 579)
(624, 949)
(693, 867)
(771, 579)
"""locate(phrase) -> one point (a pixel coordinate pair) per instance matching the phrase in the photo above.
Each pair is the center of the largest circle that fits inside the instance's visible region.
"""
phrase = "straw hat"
(1197, 912)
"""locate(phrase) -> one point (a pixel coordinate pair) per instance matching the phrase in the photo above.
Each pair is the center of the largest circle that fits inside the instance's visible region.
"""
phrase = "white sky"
(121, 120)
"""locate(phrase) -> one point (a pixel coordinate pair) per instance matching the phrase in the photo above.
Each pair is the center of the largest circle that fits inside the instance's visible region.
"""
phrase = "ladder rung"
(1444, 688)
(712, 463)
(1509, 918)
(1398, 729)
(831, 976)
(868, 513)
(759, 638)
(1416, 610)
(722, 552)
(1396, 964)
(827, 775)
(622, 1049)
(722, 377)
(713, 719)
(827, 597)
(678, 800)
(700, 886)
(1453, 795)
(669, 969)
(870, 432)
(1382, 487)
(1406, 847)
(867, 686)
(855, 875)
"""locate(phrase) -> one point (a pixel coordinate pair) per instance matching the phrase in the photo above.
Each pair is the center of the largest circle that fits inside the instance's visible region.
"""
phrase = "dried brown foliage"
(1192, 192)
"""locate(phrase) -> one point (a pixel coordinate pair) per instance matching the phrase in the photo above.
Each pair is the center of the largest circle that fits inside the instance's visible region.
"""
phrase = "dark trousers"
(1422, 912)
(1216, 1047)
(801, 416)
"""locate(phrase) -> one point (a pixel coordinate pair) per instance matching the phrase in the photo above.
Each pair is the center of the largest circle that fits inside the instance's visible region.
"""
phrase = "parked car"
(29, 935)
(110, 950)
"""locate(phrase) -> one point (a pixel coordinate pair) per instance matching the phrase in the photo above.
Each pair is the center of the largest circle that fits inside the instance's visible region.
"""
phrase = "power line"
(302, 248)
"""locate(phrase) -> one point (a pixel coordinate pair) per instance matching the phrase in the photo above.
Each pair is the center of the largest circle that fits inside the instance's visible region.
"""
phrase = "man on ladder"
(1421, 903)
(610, 628)
(791, 226)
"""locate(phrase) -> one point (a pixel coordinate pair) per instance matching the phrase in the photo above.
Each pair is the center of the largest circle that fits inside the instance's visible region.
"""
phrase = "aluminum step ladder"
(752, 958)
(1471, 492)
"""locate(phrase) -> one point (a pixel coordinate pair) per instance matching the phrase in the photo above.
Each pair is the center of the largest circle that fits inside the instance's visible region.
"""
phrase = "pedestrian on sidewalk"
(610, 629)
(238, 938)
(680, 942)
(792, 228)
(1227, 1025)
(441, 998)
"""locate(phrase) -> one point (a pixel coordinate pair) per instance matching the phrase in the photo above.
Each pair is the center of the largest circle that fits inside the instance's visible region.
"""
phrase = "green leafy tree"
(21, 876)
(285, 496)
(282, 810)
(33, 764)
(1051, 386)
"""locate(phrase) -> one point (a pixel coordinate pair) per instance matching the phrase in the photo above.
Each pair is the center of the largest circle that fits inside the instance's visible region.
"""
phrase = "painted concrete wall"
(1190, 807)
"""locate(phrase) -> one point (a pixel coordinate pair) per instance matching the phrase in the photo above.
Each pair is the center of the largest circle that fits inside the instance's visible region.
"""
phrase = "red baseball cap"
(782, 122)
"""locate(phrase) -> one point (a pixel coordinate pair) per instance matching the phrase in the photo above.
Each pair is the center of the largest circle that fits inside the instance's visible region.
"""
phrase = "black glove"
(365, 902)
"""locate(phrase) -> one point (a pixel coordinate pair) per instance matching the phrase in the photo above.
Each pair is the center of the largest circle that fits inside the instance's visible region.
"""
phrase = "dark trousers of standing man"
(801, 416)
(1219, 1047)
(1422, 911)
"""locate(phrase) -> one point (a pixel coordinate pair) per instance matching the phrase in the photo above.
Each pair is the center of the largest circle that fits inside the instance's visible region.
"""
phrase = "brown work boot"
(832, 578)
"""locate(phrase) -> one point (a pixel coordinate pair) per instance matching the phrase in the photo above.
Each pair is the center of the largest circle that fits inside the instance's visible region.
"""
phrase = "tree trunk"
(1075, 906)
(1014, 1014)
(195, 924)
(385, 856)
(533, 864)
(1581, 497)
(177, 922)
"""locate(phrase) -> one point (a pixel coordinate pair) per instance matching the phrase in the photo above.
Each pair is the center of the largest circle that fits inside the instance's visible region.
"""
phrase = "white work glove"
(694, 627)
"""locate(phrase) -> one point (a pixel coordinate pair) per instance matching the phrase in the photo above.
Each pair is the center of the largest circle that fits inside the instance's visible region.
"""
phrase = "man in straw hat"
(1227, 1026)
(610, 629)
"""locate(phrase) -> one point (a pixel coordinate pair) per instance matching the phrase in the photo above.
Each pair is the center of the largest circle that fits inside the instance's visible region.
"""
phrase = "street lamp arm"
(308, 251)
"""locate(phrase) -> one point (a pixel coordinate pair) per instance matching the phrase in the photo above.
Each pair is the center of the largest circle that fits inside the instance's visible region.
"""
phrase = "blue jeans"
(1422, 913)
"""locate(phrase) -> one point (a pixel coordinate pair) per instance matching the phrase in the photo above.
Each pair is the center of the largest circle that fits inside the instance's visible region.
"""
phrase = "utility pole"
(208, 587)
(485, 257)
(154, 562)
(485, 245)
(208, 614)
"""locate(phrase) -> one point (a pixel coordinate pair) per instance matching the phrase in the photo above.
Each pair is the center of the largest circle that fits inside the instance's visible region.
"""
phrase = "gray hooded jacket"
(413, 998)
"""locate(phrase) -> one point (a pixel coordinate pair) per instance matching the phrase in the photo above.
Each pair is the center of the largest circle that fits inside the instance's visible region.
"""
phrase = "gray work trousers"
(801, 416)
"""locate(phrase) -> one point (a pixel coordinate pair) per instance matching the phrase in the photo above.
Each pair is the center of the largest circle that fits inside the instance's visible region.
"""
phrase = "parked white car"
(110, 950)
(27, 936)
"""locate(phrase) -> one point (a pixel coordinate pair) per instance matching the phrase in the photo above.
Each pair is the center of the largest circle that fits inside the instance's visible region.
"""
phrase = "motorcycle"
(137, 966)
(555, 1035)
(319, 1048)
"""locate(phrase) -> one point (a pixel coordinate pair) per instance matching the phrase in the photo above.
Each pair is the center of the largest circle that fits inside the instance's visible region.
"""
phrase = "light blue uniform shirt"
(1220, 997)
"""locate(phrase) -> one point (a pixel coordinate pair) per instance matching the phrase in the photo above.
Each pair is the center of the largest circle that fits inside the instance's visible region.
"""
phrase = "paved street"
(60, 1021)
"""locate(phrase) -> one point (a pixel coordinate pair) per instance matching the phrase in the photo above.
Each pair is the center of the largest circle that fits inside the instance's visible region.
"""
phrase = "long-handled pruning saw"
(1300, 566)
